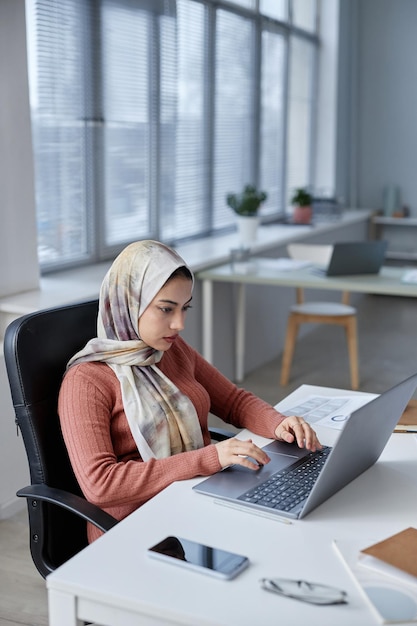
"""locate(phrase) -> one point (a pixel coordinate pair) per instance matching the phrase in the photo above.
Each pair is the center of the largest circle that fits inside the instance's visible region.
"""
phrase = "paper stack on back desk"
(408, 420)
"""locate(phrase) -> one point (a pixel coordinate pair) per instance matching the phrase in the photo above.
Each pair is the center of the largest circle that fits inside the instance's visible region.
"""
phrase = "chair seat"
(323, 308)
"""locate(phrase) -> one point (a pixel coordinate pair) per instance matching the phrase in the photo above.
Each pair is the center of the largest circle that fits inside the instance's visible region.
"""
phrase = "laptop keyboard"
(289, 487)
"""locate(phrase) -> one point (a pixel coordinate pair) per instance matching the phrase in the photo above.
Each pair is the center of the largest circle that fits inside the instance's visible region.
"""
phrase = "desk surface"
(259, 272)
(114, 582)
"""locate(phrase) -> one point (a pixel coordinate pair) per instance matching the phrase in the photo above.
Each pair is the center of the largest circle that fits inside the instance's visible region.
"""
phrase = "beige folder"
(408, 420)
(399, 550)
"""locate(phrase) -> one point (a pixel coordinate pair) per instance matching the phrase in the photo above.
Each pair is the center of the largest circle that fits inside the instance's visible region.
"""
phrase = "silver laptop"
(356, 257)
(359, 445)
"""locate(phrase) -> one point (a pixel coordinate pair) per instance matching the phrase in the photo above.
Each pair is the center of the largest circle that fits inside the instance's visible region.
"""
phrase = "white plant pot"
(247, 227)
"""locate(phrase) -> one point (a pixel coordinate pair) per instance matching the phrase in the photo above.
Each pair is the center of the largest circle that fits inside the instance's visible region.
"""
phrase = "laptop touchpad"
(281, 454)
(290, 450)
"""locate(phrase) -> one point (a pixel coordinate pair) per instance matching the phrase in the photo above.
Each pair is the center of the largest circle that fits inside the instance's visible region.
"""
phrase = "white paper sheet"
(330, 411)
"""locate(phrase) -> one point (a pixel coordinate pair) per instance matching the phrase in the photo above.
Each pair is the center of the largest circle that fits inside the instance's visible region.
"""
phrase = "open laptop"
(356, 257)
(359, 445)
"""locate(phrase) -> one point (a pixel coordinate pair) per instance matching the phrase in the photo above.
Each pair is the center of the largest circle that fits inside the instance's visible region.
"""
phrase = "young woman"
(134, 402)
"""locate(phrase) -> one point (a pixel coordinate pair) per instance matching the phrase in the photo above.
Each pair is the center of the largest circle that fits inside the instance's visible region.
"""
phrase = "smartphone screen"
(197, 556)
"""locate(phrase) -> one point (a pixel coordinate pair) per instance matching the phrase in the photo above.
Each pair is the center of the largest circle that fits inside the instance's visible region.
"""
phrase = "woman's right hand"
(236, 452)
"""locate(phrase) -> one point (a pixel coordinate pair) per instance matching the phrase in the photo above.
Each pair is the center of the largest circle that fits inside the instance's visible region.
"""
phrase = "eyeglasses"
(314, 593)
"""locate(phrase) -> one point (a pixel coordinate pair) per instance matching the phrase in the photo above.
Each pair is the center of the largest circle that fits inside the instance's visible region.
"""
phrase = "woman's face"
(164, 318)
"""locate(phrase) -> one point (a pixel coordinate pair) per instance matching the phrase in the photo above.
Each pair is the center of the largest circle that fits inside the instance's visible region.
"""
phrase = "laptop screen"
(357, 257)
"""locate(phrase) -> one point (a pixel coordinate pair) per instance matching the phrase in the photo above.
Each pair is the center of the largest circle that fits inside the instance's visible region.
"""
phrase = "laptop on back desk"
(356, 257)
(358, 447)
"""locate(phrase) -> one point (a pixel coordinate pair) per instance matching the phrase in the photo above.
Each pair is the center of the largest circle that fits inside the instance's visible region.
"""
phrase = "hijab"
(163, 421)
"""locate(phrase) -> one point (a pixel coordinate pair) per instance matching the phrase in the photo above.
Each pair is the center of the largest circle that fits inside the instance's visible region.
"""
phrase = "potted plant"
(302, 201)
(248, 202)
(246, 205)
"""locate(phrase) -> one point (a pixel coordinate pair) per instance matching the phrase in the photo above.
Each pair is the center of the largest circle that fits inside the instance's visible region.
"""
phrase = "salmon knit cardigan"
(103, 452)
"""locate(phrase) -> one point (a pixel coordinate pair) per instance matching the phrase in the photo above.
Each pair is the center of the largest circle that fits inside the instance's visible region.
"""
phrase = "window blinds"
(146, 113)
(56, 44)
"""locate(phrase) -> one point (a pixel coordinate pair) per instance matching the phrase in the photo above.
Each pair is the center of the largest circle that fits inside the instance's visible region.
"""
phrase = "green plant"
(302, 197)
(247, 202)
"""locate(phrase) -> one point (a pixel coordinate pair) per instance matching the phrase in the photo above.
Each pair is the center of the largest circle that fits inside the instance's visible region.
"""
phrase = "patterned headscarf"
(163, 421)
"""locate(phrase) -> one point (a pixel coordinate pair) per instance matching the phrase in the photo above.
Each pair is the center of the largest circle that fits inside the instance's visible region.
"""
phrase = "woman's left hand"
(296, 428)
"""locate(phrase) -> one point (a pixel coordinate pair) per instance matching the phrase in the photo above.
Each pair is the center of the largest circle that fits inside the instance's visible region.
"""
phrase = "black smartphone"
(199, 557)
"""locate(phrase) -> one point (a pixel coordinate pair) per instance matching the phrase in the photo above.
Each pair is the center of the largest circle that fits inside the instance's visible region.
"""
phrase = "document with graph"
(330, 411)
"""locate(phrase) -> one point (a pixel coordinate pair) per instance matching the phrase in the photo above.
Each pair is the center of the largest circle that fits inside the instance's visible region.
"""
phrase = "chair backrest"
(320, 254)
(316, 253)
(37, 348)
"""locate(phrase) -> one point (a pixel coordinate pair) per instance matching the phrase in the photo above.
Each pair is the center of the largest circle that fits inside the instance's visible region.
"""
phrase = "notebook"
(356, 257)
(359, 446)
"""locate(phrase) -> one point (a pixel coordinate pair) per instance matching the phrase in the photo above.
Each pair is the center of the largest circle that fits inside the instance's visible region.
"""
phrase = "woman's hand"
(236, 452)
(296, 428)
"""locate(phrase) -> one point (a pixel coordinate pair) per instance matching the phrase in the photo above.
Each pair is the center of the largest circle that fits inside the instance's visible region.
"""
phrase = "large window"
(146, 113)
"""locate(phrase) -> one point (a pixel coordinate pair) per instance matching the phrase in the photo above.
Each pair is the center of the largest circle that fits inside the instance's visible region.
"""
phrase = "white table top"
(387, 282)
(113, 581)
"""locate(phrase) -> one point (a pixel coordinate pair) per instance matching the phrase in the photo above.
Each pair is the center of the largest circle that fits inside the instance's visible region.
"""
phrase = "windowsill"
(84, 283)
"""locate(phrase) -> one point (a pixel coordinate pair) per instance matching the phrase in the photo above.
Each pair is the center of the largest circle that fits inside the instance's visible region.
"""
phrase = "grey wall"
(386, 104)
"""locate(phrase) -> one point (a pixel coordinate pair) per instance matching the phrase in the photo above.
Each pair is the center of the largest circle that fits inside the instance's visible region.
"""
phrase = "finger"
(248, 450)
(234, 451)
(247, 454)
(311, 441)
(307, 435)
(246, 461)
(292, 428)
(286, 435)
(303, 433)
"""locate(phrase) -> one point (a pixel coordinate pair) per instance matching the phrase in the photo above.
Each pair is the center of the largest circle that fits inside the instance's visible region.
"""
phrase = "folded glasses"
(314, 593)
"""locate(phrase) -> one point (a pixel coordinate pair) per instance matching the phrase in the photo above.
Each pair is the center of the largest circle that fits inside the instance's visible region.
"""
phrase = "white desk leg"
(240, 332)
(208, 320)
(62, 609)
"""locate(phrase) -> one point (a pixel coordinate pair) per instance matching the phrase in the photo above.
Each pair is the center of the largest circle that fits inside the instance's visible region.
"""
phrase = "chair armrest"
(220, 434)
(71, 502)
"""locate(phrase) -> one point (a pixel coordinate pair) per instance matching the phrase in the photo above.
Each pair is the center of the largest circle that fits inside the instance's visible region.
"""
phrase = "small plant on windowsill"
(301, 197)
(302, 201)
(247, 202)
(246, 205)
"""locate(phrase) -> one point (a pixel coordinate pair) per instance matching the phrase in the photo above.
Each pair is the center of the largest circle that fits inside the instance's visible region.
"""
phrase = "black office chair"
(37, 348)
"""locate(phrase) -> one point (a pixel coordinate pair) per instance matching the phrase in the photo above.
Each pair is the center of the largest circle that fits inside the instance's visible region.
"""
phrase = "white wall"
(18, 254)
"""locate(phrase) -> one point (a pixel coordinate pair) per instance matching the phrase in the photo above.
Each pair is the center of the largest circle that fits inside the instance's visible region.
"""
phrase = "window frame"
(98, 250)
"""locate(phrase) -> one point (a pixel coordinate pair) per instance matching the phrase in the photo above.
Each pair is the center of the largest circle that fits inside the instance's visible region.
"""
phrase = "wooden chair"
(340, 314)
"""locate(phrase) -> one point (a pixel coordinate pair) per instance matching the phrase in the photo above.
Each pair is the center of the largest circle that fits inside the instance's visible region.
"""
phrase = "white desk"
(114, 583)
(387, 282)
